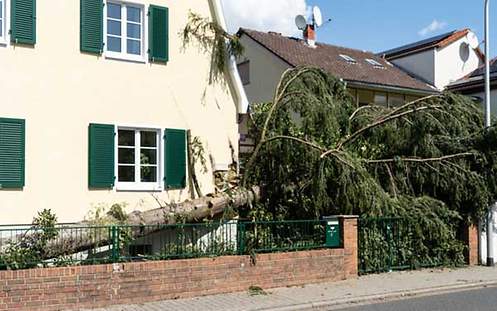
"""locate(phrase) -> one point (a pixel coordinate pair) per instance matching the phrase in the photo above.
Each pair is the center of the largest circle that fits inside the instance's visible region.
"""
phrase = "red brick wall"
(350, 240)
(103, 285)
(472, 242)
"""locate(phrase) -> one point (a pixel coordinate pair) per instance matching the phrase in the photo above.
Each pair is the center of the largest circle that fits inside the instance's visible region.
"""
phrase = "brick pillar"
(471, 239)
(350, 244)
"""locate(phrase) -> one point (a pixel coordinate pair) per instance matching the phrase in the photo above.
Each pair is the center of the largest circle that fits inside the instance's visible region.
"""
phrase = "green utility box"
(332, 232)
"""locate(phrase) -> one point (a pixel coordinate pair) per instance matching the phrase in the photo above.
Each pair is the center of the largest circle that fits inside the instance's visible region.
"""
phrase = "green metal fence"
(389, 244)
(28, 247)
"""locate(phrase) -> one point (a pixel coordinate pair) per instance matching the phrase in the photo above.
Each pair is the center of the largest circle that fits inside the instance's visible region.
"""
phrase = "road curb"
(379, 298)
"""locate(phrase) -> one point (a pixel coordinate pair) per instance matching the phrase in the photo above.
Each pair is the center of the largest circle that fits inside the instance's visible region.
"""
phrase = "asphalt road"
(474, 300)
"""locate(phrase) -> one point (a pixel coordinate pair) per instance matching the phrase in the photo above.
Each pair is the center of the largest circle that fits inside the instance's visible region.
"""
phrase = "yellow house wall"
(58, 91)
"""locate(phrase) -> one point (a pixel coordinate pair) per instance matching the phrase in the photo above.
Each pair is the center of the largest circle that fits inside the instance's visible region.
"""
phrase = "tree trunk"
(82, 237)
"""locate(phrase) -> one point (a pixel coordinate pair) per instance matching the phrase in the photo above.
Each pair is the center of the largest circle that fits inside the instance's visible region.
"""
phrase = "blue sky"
(373, 25)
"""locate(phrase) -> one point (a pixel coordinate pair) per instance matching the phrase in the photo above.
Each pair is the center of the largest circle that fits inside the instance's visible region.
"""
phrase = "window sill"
(126, 58)
(135, 187)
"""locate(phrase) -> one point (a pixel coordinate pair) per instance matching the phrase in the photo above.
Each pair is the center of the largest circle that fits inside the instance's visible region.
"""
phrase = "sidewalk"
(334, 295)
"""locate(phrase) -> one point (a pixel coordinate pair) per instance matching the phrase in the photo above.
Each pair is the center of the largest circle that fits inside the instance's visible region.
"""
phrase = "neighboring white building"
(474, 85)
(96, 99)
(439, 60)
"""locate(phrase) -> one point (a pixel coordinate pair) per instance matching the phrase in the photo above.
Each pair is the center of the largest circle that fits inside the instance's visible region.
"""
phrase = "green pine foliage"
(211, 39)
(319, 154)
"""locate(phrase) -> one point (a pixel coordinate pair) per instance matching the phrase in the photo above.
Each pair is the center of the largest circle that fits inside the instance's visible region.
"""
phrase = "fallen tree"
(319, 153)
(44, 240)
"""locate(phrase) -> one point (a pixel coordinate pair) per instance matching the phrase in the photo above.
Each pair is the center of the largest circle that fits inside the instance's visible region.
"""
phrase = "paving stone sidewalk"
(332, 295)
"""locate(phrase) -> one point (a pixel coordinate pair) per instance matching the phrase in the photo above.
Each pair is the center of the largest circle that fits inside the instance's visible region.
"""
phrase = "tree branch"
(354, 136)
(421, 160)
(279, 95)
(352, 117)
(398, 109)
(305, 142)
(392, 179)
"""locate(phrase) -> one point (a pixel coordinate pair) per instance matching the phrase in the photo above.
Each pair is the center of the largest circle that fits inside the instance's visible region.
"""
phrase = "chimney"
(310, 36)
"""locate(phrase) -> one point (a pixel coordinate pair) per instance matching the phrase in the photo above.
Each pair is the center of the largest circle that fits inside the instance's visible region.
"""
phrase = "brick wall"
(103, 285)
(471, 239)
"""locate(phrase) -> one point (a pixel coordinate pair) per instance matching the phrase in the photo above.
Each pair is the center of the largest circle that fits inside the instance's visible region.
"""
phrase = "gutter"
(473, 83)
(394, 89)
(242, 101)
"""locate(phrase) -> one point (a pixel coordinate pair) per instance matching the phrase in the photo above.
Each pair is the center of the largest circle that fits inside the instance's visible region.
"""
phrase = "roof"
(481, 70)
(475, 78)
(296, 53)
(439, 41)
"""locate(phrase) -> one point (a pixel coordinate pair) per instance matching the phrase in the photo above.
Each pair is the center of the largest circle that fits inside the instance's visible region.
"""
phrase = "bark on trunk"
(71, 241)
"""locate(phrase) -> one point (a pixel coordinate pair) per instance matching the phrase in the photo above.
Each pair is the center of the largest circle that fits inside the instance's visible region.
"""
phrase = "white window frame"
(374, 63)
(5, 19)
(138, 185)
(123, 55)
(348, 59)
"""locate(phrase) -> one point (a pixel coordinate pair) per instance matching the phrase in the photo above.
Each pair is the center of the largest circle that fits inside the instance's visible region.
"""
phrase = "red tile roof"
(296, 53)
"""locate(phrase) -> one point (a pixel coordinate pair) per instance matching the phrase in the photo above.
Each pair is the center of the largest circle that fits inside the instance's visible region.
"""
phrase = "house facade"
(438, 60)
(97, 99)
(369, 77)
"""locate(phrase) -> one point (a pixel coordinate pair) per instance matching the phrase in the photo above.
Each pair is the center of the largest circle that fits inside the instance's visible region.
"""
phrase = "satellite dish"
(317, 16)
(301, 22)
(472, 40)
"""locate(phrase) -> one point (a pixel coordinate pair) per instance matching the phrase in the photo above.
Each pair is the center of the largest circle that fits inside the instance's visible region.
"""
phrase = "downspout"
(232, 66)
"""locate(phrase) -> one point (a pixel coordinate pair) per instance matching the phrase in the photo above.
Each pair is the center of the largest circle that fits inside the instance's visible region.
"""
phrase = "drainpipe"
(232, 67)
(490, 223)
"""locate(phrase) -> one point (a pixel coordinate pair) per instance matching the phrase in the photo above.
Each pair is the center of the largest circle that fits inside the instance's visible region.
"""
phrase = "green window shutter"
(101, 156)
(158, 33)
(23, 22)
(175, 157)
(91, 26)
(12, 153)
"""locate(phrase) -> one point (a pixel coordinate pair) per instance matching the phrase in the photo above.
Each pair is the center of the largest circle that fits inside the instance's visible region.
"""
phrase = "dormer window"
(375, 63)
(348, 59)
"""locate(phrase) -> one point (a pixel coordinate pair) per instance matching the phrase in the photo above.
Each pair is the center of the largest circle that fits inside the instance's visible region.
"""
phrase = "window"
(348, 59)
(395, 100)
(135, 159)
(138, 159)
(380, 98)
(365, 97)
(375, 63)
(244, 71)
(124, 31)
(119, 30)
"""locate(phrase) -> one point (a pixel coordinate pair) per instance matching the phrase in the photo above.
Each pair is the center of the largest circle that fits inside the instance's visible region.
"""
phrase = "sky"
(372, 25)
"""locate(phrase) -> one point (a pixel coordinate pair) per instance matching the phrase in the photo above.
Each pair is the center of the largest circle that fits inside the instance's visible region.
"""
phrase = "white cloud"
(431, 28)
(264, 15)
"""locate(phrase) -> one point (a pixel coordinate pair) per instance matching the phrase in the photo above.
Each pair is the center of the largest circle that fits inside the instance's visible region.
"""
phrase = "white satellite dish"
(472, 40)
(301, 22)
(317, 16)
